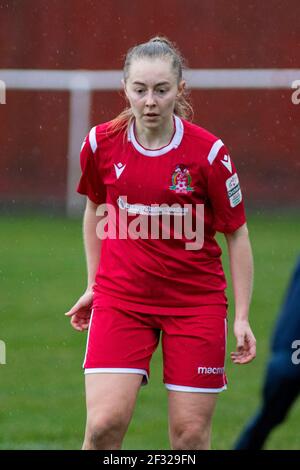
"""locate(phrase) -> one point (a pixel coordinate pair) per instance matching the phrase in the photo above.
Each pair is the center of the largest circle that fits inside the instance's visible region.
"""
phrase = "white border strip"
(181, 388)
(241, 78)
(214, 150)
(226, 329)
(37, 79)
(92, 139)
(109, 370)
(177, 138)
(88, 337)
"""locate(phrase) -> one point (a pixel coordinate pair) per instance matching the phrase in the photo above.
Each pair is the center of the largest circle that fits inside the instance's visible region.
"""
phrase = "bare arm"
(80, 313)
(92, 243)
(241, 267)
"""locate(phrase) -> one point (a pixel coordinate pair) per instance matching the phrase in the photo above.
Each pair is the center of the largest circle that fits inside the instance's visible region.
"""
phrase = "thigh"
(190, 409)
(111, 396)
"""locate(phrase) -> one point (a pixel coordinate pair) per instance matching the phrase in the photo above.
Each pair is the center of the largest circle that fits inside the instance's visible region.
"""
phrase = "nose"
(150, 98)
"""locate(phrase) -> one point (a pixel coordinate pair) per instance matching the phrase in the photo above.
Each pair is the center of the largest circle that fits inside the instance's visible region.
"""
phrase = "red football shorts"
(193, 346)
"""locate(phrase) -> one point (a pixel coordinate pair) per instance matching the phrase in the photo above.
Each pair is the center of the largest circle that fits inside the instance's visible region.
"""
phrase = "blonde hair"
(156, 47)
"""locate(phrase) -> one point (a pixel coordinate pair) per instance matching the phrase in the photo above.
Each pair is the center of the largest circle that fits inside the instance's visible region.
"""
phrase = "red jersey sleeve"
(91, 183)
(224, 191)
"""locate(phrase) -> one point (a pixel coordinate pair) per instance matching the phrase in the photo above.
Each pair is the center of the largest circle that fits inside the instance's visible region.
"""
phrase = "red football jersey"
(145, 263)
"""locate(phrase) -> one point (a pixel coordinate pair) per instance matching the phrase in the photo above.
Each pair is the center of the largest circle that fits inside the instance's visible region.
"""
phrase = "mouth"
(151, 115)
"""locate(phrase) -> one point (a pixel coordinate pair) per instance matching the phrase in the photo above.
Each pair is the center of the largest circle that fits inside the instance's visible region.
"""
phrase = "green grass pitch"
(42, 273)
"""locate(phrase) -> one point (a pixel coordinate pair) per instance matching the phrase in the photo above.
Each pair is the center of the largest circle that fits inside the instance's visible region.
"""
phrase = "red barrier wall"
(260, 127)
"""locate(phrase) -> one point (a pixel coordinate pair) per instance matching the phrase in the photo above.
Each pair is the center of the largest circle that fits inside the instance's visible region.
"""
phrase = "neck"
(156, 137)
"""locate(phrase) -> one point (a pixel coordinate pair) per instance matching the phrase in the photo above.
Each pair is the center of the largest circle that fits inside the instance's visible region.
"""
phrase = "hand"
(246, 343)
(80, 313)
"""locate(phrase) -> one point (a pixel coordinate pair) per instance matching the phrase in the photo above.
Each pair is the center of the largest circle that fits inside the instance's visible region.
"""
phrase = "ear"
(181, 87)
(124, 86)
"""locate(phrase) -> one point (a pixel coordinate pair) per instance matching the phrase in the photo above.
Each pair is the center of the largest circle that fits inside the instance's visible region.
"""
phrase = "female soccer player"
(152, 166)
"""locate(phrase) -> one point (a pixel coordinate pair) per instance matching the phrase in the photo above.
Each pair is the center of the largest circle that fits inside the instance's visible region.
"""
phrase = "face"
(151, 89)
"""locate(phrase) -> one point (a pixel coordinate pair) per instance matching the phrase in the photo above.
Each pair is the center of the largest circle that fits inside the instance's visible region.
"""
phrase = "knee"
(191, 436)
(104, 432)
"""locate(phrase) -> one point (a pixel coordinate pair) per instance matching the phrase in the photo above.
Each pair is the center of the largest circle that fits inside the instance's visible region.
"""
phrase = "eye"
(139, 91)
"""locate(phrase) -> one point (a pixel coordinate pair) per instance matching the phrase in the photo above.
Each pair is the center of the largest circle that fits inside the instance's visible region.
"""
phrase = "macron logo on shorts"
(211, 370)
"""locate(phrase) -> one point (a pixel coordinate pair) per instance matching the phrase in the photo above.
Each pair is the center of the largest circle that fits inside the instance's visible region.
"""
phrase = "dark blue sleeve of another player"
(288, 325)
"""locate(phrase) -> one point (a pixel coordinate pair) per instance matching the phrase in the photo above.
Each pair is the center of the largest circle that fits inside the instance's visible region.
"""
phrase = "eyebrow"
(157, 84)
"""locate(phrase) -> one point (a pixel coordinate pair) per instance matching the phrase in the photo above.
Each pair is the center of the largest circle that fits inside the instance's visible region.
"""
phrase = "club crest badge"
(181, 180)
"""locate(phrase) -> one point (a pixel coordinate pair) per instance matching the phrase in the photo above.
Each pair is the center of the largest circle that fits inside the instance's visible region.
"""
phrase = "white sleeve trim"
(214, 150)
(92, 139)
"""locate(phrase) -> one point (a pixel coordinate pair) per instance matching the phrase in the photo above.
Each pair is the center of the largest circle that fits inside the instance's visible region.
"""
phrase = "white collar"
(176, 139)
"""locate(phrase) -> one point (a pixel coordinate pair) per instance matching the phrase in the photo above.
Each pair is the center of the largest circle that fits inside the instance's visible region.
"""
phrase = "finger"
(252, 349)
(237, 357)
(84, 326)
(244, 352)
(77, 327)
(79, 323)
(237, 353)
(74, 309)
(70, 312)
(236, 361)
(244, 359)
(75, 322)
(240, 342)
(81, 317)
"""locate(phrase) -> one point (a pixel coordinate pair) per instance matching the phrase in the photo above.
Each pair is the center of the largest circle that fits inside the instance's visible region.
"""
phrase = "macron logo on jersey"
(214, 152)
(119, 168)
(211, 370)
(227, 163)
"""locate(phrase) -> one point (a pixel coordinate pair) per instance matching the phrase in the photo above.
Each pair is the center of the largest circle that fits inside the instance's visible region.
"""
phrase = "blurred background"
(61, 62)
